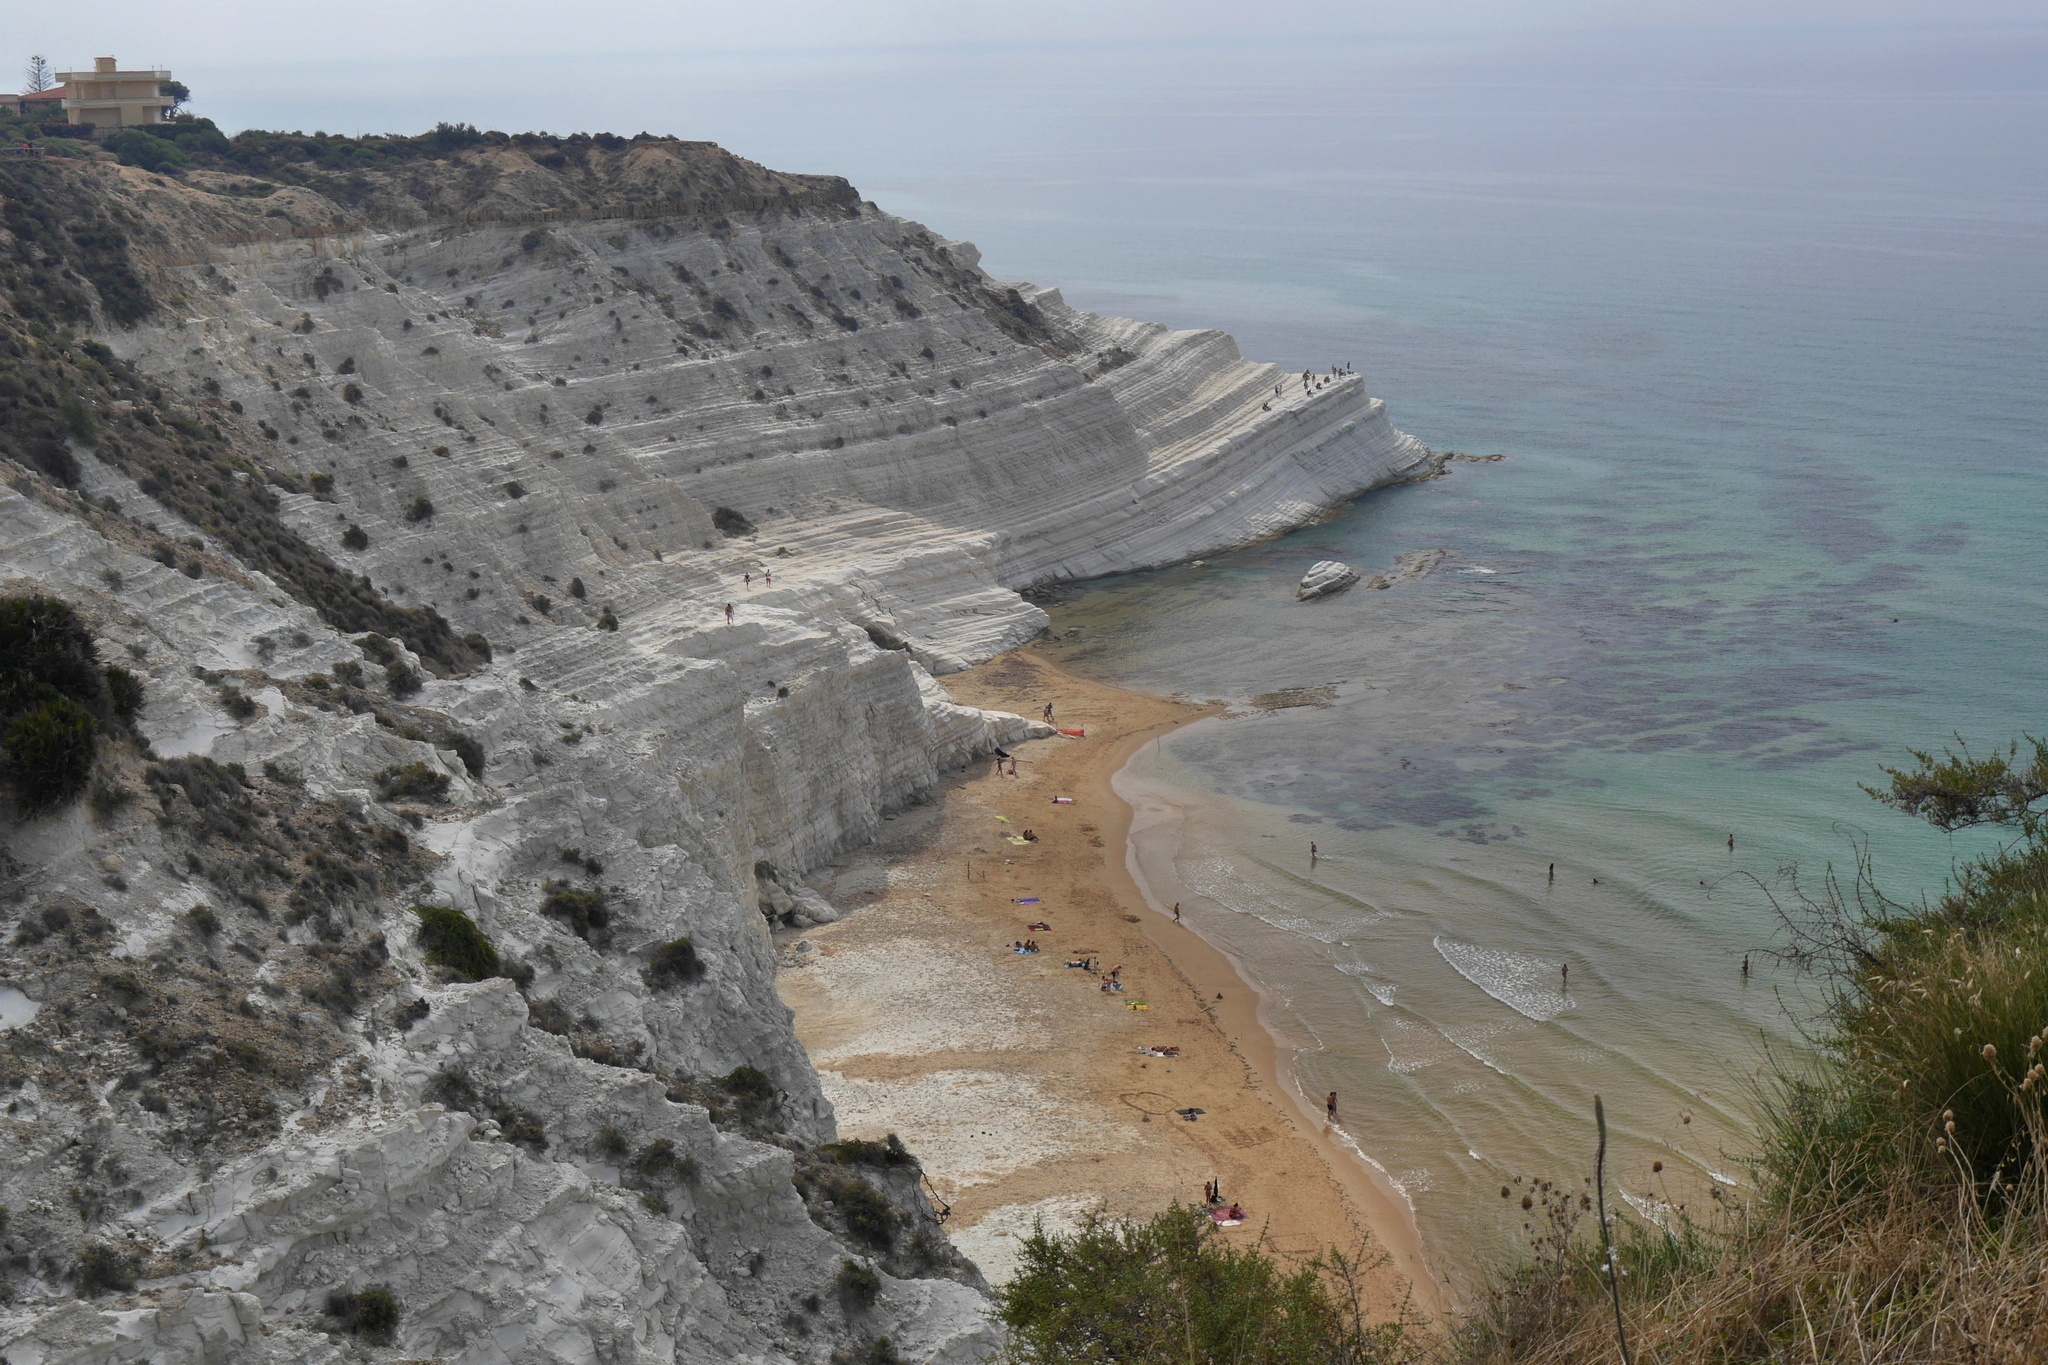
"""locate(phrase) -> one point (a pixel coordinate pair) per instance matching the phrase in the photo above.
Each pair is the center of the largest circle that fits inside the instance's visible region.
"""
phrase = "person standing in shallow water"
(1330, 1106)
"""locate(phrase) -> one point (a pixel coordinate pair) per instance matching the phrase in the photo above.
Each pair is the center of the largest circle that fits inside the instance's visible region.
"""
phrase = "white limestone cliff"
(533, 417)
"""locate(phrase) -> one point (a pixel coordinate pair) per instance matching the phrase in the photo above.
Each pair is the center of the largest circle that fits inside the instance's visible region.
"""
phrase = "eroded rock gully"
(542, 424)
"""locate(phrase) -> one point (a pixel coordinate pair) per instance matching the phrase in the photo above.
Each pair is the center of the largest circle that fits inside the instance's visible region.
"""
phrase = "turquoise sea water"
(1763, 346)
(1758, 319)
(1772, 512)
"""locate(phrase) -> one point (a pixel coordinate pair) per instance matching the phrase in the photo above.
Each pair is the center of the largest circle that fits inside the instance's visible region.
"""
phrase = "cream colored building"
(109, 98)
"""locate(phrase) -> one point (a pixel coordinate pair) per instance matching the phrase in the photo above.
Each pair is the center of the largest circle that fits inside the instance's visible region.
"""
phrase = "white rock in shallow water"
(1325, 578)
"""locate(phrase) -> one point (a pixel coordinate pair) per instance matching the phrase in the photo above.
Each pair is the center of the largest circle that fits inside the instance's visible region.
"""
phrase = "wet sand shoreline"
(1018, 1081)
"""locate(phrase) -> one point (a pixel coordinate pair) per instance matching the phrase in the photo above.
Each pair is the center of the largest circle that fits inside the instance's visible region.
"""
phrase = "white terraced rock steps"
(535, 409)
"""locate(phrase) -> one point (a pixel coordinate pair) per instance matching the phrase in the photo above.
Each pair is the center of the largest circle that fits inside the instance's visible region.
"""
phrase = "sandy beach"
(1025, 1088)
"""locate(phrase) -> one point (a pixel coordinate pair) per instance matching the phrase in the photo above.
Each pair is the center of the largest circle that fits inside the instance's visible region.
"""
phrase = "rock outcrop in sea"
(1324, 578)
(562, 539)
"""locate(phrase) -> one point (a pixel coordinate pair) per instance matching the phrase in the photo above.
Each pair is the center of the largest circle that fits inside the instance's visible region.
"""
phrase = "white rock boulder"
(1323, 579)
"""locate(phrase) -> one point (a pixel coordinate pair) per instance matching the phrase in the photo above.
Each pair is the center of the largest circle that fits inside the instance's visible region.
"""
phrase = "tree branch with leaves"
(1958, 790)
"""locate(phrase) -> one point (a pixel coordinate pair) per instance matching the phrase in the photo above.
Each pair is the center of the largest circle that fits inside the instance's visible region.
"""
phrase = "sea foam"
(1527, 984)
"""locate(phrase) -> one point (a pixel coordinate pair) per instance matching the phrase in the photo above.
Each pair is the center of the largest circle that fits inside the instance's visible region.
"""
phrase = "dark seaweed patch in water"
(1617, 634)
(1834, 507)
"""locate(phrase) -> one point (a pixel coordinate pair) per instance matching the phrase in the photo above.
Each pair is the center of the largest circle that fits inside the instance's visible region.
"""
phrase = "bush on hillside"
(411, 782)
(1172, 1289)
(55, 701)
(452, 940)
(674, 963)
(583, 913)
(371, 1314)
(46, 652)
(103, 1269)
(857, 1286)
(137, 148)
(865, 1152)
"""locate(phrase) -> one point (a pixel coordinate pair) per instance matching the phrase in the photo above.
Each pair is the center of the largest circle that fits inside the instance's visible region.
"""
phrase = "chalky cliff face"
(540, 423)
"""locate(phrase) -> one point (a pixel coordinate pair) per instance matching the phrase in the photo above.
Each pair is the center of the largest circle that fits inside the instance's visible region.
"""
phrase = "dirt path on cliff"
(1016, 1079)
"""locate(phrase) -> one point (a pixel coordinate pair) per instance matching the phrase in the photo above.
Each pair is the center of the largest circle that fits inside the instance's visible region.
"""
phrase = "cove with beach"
(1766, 420)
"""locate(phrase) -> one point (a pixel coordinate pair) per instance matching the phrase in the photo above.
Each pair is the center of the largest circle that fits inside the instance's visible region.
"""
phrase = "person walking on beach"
(1330, 1106)
(750, 579)
(1176, 920)
(728, 613)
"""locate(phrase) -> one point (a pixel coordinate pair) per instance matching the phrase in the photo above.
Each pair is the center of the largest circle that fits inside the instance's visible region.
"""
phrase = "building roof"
(55, 92)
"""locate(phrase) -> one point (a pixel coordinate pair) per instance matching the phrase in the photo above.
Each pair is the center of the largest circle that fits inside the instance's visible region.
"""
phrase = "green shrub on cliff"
(55, 702)
(674, 963)
(49, 753)
(452, 940)
(1173, 1289)
(584, 913)
(371, 1314)
(411, 782)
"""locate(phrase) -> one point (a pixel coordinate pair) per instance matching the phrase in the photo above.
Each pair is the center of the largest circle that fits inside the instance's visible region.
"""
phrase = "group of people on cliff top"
(1310, 382)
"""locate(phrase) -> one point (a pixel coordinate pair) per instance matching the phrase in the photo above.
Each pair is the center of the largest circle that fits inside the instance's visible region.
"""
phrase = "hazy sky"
(894, 91)
(207, 34)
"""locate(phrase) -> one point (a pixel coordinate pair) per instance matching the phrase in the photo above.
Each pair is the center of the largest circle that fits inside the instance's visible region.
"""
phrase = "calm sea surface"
(1766, 358)
(1757, 319)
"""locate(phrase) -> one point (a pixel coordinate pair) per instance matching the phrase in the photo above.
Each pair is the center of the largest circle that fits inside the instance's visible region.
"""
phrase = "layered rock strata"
(680, 481)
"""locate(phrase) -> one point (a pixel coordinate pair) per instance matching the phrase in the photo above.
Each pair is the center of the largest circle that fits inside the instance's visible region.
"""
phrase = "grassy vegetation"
(1172, 1290)
(1900, 1204)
